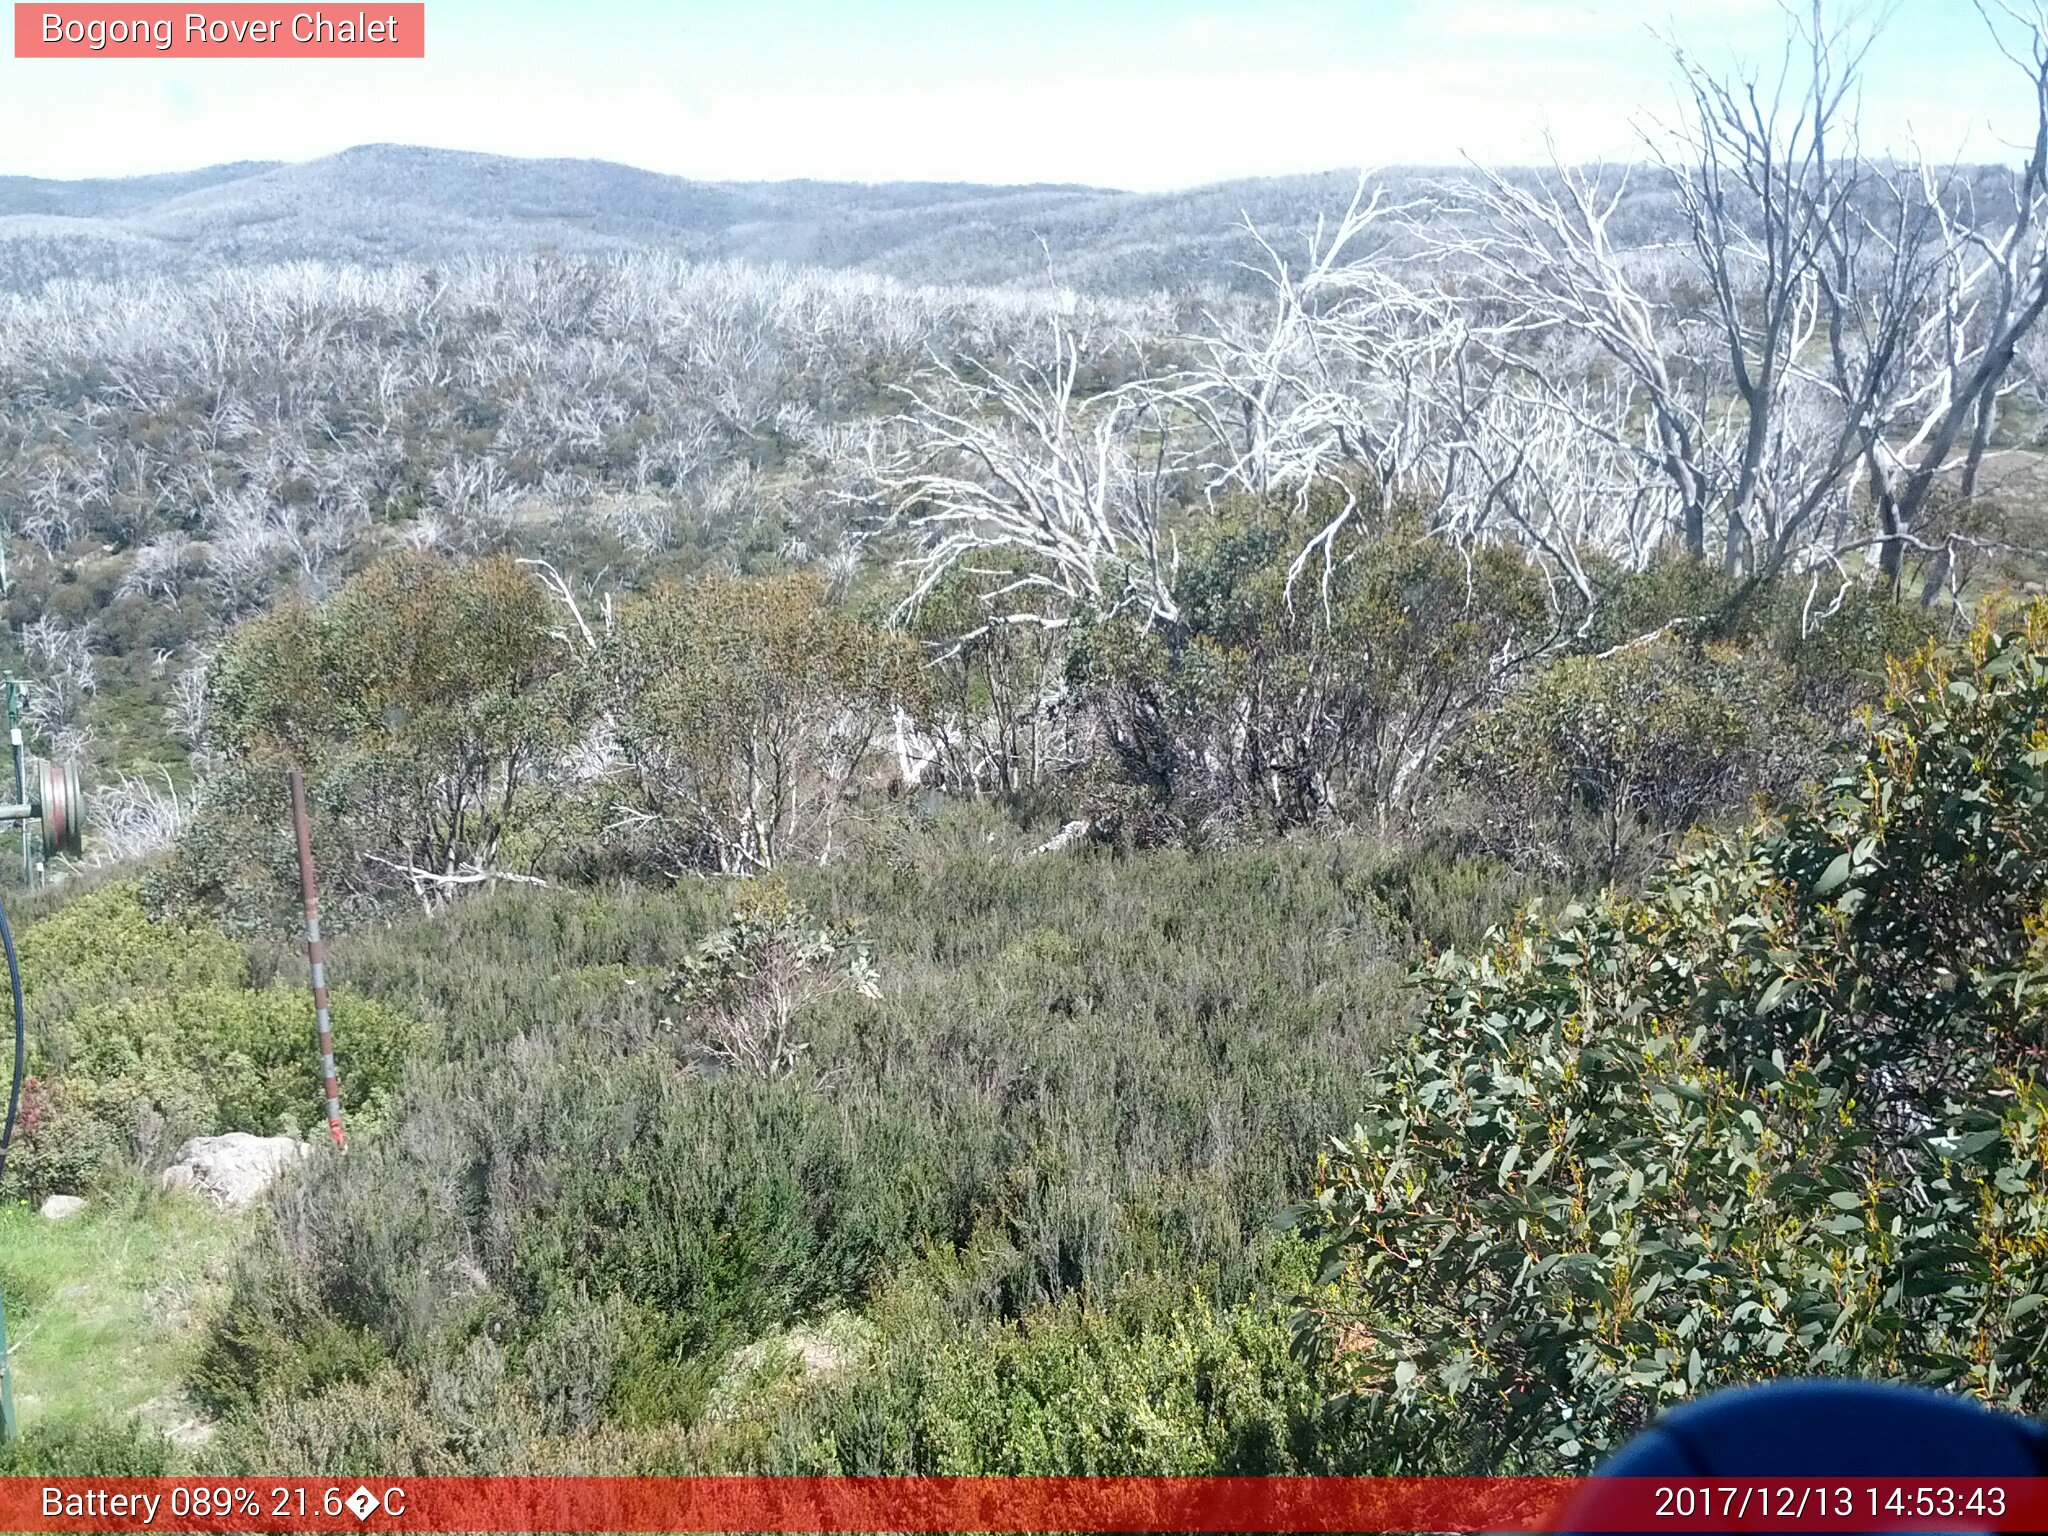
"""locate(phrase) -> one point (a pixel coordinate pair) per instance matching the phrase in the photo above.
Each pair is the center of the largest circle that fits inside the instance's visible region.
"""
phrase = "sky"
(1142, 94)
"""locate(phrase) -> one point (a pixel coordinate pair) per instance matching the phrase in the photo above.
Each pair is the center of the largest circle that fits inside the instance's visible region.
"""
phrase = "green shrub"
(990, 693)
(1150, 1378)
(416, 700)
(465, 1423)
(1074, 1391)
(722, 1206)
(1775, 1116)
(1837, 643)
(97, 952)
(1842, 660)
(107, 945)
(277, 1340)
(739, 992)
(62, 1143)
(87, 1449)
(745, 710)
(217, 1059)
(1643, 745)
(1287, 703)
(1444, 891)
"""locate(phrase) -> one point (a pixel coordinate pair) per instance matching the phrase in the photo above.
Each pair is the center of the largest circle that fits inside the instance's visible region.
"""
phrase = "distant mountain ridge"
(384, 202)
(380, 203)
(115, 197)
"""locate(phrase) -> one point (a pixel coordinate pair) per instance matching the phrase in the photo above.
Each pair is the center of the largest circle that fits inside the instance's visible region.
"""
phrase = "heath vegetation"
(1384, 865)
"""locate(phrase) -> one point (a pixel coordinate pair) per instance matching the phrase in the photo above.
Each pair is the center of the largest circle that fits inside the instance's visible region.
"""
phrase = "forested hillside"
(950, 855)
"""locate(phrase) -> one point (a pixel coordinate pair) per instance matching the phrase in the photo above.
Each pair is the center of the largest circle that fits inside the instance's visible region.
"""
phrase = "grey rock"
(232, 1170)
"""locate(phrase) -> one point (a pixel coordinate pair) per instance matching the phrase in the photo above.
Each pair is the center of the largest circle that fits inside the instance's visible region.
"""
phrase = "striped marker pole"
(316, 953)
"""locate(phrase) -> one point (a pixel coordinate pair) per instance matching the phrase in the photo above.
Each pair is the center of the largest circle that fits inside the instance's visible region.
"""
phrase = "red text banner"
(1123, 1504)
(232, 31)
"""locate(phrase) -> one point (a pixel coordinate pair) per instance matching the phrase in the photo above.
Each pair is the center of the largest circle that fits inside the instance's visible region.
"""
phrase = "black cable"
(20, 1039)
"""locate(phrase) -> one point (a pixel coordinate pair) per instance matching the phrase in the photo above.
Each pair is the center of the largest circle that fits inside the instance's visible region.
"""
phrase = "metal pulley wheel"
(59, 805)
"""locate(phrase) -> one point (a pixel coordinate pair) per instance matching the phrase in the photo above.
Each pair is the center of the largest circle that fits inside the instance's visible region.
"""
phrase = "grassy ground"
(103, 1310)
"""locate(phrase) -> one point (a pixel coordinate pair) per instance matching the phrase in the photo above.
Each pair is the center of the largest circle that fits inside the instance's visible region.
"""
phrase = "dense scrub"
(1281, 705)
(1079, 1074)
(1008, 1204)
(1688, 698)
(467, 723)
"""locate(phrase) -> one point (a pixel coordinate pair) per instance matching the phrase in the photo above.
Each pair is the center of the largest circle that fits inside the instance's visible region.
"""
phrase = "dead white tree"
(1349, 371)
(1547, 258)
(1990, 291)
(1297, 388)
(1534, 471)
(1858, 325)
(134, 818)
(64, 672)
(558, 588)
(433, 887)
(185, 714)
(1071, 488)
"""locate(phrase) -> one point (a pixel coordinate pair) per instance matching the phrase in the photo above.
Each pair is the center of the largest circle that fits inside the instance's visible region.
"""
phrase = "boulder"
(234, 1169)
(61, 1207)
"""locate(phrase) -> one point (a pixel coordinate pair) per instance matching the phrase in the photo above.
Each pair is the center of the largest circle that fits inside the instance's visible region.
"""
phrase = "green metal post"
(20, 777)
(6, 1383)
(7, 1426)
